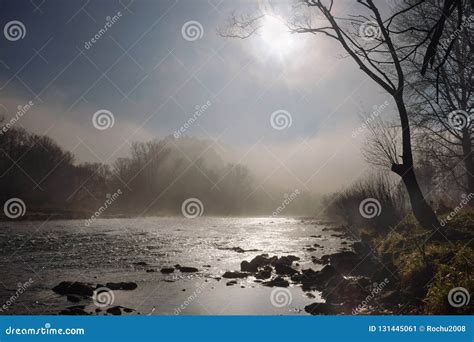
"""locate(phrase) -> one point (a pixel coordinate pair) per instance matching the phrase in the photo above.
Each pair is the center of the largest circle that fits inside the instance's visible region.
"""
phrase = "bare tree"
(441, 102)
(379, 58)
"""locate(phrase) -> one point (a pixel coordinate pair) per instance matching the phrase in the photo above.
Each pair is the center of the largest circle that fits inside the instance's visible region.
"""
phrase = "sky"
(286, 105)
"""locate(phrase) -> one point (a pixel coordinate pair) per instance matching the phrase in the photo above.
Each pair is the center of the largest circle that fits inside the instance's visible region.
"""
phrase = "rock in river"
(230, 275)
(167, 270)
(74, 288)
(122, 286)
(186, 269)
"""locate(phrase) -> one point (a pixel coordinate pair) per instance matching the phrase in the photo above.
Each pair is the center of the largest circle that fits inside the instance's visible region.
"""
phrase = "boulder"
(349, 263)
(283, 269)
(320, 280)
(167, 270)
(186, 269)
(114, 311)
(74, 311)
(263, 274)
(278, 282)
(73, 298)
(324, 309)
(246, 266)
(74, 288)
(230, 275)
(127, 286)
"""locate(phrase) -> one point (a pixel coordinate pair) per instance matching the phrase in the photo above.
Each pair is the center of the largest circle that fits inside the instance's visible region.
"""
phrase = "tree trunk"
(467, 155)
(421, 209)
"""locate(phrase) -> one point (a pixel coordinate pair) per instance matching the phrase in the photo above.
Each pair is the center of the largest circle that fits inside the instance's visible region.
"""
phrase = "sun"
(276, 36)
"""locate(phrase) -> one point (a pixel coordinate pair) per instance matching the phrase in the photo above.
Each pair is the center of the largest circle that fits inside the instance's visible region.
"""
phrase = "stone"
(167, 270)
(126, 286)
(230, 275)
(74, 288)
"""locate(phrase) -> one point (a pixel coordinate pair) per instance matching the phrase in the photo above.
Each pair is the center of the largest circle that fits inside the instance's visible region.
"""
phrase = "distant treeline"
(155, 179)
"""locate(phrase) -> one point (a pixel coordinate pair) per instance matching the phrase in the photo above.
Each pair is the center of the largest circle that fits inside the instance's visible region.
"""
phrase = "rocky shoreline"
(351, 281)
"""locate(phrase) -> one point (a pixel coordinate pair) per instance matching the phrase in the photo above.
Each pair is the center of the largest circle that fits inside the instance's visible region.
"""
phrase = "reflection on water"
(125, 249)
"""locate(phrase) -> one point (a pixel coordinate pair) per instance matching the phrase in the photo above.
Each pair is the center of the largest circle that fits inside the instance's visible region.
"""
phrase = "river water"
(112, 250)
